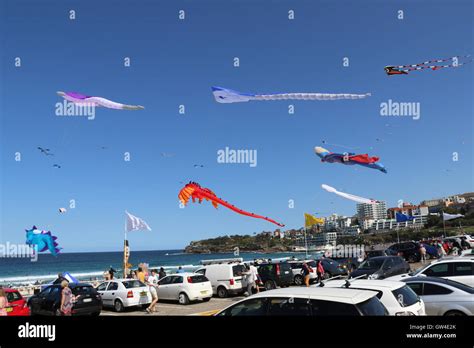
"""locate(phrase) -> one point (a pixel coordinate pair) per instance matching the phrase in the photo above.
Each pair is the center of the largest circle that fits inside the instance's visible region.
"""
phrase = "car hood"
(359, 272)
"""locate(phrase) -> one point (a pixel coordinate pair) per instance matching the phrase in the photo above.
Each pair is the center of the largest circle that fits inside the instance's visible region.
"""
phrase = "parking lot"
(174, 308)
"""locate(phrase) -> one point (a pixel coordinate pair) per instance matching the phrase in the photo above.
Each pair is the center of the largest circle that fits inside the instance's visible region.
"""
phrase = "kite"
(195, 191)
(45, 151)
(199, 166)
(403, 218)
(224, 95)
(82, 99)
(349, 196)
(349, 159)
(430, 64)
(57, 166)
(42, 240)
(62, 210)
(339, 145)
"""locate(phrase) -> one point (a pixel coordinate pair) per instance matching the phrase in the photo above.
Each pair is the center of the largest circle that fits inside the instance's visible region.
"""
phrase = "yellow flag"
(310, 220)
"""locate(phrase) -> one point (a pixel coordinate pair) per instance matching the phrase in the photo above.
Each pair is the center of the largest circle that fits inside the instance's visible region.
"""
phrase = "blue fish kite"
(42, 240)
(349, 159)
(403, 218)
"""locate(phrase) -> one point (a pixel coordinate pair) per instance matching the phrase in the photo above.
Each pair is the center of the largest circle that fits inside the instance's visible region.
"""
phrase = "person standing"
(162, 273)
(3, 303)
(256, 279)
(180, 270)
(422, 253)
(152, 283)
(320, 270)
(141, 275)
(67, 299)
(305, 271)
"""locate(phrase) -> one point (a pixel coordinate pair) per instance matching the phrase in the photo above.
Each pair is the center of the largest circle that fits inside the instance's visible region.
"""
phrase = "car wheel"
(454, 314)
(270, 285)
(298, 279)
(412, 258)
(222, 292)
(327, 275)
(207, 299)
(183, 299)
(118, 306)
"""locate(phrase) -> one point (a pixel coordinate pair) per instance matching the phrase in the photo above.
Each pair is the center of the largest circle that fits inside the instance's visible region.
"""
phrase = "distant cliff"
(259, 243)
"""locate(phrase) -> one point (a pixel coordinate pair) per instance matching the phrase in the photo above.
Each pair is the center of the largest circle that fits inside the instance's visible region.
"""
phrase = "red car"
(17, 304)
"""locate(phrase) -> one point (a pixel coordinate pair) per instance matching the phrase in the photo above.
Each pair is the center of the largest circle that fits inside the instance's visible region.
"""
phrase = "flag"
(135, 223)
(310, 220)
(402, 217)
(447, 217)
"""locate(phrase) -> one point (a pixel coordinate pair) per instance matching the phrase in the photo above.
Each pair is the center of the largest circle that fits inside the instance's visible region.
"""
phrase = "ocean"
(91, 266)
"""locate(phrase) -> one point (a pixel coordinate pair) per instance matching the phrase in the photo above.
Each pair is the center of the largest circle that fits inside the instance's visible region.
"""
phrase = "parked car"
(308, 301)
(48, 301)
(381, 267)
(375, 253)
(297, 267)
(18, 306)
(411, 251)
(468, 238)
(273, 274)
(333, 268)
(397, 297)
(124, 293)
(460, 269)
(184, 288)
(455, 241)
(225, 278)
(443, 296)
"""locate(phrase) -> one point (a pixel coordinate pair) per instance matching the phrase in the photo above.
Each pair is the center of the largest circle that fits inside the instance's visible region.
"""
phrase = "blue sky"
(176, 62)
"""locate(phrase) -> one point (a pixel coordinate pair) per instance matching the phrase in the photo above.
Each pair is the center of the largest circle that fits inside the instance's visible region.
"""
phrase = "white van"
(225, 278)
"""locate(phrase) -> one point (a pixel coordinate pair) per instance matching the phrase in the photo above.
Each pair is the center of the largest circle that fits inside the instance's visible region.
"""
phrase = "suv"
(411, 251)
(459, 269)
(381, 267)
(273, 274)
(308, 301)
(225, 278)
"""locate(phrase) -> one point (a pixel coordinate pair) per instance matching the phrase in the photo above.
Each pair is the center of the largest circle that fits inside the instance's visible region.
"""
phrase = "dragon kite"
(225, 95)
(82, 99)
(196, 192)
(349, 159)
(42, 240)
(429, 64)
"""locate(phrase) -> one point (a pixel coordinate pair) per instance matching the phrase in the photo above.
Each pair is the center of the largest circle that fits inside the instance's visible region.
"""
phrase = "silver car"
(443, 296)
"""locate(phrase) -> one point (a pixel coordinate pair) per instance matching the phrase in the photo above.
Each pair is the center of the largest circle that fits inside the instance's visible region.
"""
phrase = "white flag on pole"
(447, 217)
(135, 223)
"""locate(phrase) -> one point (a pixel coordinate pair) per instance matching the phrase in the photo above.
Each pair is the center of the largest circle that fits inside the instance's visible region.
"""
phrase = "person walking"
(3, 303)
(152, 283)
(256, 277)
(67, 299)
(422, 253)
(305, 271)
(320, 270)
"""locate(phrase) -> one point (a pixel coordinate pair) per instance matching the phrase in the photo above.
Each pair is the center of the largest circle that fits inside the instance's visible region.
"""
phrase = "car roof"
(183, 274)
(454, 259)
(383, 257)
(10, 290)
(351, 296)
(438, 280)
(370, 284)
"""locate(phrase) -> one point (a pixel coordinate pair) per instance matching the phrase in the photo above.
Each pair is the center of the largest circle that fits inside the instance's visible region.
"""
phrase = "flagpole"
(125, 245)
(444, 224)
(305, 243)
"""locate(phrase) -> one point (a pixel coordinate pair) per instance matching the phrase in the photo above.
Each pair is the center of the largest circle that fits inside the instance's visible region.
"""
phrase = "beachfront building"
(368, 213)
(408, 209)
(391, 224)
(336, 222)
(352, 231)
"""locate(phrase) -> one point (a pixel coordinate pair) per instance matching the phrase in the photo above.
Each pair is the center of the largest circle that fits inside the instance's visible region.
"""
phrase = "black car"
(333, 268)
(48, 301)
(381, 267)
(273, 274)
(375, 253)
(410, 251)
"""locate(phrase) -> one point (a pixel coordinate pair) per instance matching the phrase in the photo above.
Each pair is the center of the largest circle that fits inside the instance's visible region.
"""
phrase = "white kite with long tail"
(225, 95)
(349, 196)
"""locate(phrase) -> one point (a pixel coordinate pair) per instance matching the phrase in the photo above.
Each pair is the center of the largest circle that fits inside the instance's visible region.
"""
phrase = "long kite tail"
(430, 64)
(310, 96)
(113, 105)
(226, 204)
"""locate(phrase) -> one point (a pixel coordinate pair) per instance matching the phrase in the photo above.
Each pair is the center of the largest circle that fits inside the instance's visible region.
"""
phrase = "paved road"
(174, 308)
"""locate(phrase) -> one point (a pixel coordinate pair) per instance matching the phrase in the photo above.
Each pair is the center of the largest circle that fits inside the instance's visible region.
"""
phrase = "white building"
(336, 222)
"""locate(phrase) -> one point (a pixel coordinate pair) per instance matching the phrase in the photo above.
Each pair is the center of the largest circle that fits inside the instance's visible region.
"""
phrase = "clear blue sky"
(176, 62)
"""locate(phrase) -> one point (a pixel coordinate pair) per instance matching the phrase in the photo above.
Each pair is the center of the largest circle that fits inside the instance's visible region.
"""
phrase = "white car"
(184, 288)
(397, 297)
(468, 238)
(225, 278)
(443, 296)
(459, 269)
(308, 301)
(124, 293)
(296, 268)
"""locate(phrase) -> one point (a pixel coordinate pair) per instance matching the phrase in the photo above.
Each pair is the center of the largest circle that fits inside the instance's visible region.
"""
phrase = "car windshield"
(405, 296)
(311, 263)
(13, 296)
(198, 279)
(129, 284)
(372, 307)
(371, 264)
(83, 290)
(237, 270)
